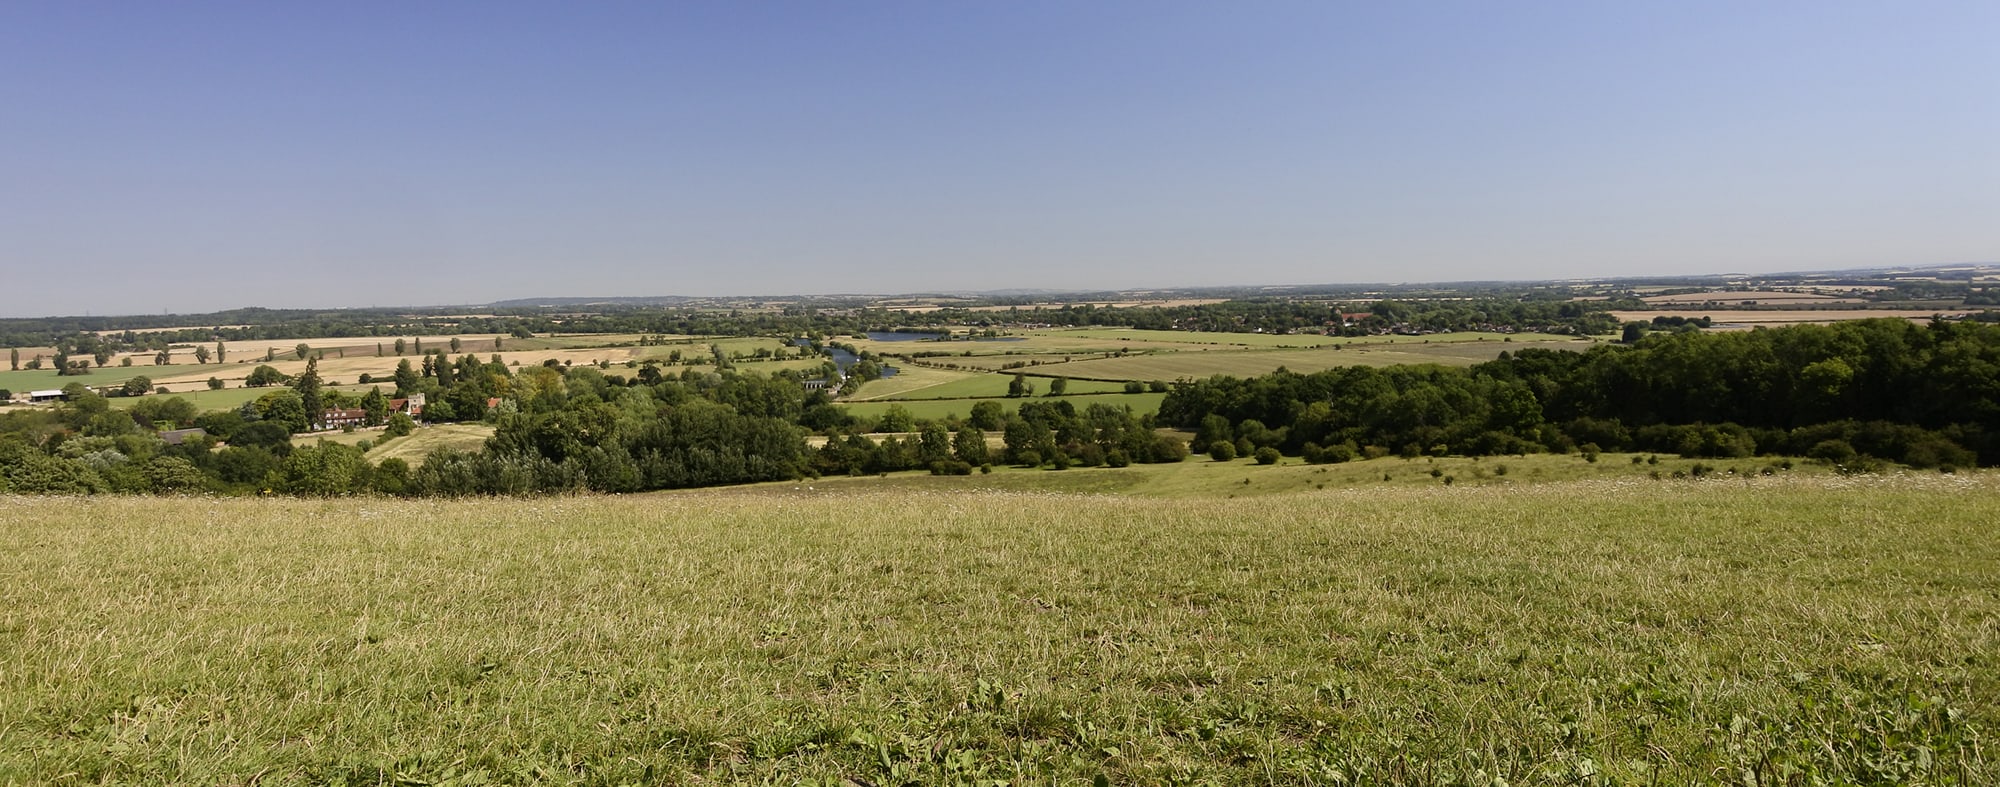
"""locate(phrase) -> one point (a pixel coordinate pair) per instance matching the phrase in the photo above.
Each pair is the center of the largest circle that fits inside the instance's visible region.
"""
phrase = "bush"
(398, 426)
(1267, 456)
(1832, 452)
(1222, 451)
(1329, 455)
(951, 467)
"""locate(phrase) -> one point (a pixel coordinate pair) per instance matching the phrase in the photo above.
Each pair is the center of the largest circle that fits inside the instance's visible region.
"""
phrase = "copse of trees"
(1921, 395)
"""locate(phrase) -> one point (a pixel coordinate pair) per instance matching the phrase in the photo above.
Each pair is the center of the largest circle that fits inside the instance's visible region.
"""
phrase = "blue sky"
(197, 156)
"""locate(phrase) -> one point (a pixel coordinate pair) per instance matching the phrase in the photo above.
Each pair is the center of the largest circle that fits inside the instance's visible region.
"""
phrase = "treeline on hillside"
(557, 429)
(87, 336)
(1848, 392)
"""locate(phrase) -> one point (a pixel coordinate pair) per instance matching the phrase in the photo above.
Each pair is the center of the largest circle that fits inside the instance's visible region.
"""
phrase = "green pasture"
(1257, 340)
(1200, 476)
(113, 375)
(231, 398)
(1761, 630)
(936, 409)
(927, 383)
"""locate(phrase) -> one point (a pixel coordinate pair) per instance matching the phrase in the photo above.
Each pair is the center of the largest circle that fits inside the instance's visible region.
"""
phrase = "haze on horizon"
(190, 157)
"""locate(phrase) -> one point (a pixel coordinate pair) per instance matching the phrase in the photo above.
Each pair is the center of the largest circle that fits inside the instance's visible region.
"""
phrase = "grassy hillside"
(1624, 630)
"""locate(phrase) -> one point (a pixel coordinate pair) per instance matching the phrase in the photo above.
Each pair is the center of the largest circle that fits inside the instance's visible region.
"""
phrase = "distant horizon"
(189, 156)
(1006, 291)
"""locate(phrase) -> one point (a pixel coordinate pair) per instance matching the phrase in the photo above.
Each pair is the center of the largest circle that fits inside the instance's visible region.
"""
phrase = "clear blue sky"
(192, 156)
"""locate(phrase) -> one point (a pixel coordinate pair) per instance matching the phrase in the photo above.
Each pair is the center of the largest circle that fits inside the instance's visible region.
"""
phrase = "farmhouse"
(412, 407)
(178, 436)
(45, 396)
(341, 419)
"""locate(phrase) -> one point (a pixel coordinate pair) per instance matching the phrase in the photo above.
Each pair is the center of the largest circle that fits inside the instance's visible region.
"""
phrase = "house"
(341, 419)
(179, 436)
(45, 396)
(412, 407)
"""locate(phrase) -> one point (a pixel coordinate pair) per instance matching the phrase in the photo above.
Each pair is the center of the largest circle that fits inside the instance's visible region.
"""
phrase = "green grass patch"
(937, 409)
(927, 383)
(1780, 630)
(230, 398)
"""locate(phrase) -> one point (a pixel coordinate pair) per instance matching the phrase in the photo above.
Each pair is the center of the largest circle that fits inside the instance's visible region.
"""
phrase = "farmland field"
(941, 408)
(416, 445)
(1623, 630)
(926, 383)
(231, 398)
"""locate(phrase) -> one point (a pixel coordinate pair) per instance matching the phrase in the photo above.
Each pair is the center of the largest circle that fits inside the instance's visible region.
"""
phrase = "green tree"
(1222, 451)
(374, 407)
(1059, 386)
(934, 445)
(14, 357)
(201, 355)
(308, 386)
(263, 376)
(895, 419)
(302, 350)
(215, 383)
(283, 407)
(219, 353)
(454, 344)
(969, 445)
(163, 358)
(323, 470)
(138, 386)
(398, 425)
(400, 346)
(172, 474)
(1019, 387)
(406, 378)
(987, 415)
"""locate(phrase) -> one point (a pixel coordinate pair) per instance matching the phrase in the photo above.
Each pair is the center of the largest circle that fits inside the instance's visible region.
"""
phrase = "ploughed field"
(1778, 629)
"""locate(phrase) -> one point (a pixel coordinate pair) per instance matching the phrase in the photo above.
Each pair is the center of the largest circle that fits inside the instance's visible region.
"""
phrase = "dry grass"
(1781, 630)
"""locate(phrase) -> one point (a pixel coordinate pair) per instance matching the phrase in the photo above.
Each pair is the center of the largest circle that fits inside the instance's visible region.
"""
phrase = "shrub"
(1222, 451)
(1267, 456)
(951, 467)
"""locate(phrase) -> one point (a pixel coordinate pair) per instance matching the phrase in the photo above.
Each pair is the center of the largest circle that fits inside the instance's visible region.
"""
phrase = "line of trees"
(1927, 396)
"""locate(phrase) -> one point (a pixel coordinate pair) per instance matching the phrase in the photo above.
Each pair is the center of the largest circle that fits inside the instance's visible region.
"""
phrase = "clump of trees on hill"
(1926, 396)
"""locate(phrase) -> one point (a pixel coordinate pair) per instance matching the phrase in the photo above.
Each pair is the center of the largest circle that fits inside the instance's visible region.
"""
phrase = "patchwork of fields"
(1772, 629)
(1102, 360)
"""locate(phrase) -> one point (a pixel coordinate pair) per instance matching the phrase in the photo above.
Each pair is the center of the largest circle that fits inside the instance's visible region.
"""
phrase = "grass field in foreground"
(1778, 630)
